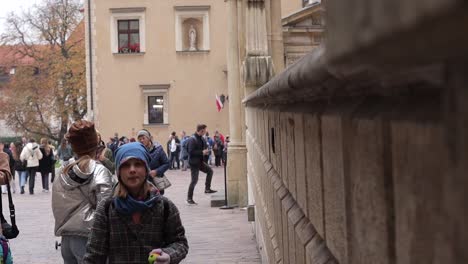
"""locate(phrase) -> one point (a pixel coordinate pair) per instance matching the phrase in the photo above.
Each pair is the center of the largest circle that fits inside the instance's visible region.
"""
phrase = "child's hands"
(163, 257)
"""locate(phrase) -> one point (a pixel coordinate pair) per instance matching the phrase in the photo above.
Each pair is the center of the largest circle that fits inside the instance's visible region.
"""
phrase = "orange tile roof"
(10, 56)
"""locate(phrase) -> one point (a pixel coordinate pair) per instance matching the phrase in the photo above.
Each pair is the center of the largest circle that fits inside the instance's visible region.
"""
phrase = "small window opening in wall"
(273, 147)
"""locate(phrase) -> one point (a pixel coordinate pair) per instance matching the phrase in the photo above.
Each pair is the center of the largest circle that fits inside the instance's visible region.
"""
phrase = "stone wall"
(358, 152)
(365, 180)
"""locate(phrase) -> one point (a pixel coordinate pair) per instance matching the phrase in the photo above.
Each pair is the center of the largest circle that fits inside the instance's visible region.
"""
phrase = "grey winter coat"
(75, 197)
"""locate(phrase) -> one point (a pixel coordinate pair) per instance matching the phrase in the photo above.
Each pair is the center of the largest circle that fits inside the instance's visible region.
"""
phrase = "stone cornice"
(192, 8)
(127, 10)
(313, 78)
(302, 14)
(153, 87)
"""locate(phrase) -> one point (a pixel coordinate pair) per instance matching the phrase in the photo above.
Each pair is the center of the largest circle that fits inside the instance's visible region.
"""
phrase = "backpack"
(32, 153)
(184, 147)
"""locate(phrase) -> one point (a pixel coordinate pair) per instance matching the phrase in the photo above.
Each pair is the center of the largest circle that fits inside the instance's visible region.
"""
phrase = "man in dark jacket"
(159, 162)
(197, 150)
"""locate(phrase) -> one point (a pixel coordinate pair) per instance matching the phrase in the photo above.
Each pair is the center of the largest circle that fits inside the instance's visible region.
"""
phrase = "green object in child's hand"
(152, 258)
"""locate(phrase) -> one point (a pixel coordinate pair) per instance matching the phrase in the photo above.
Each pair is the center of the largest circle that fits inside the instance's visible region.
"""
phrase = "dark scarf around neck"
(130, 205)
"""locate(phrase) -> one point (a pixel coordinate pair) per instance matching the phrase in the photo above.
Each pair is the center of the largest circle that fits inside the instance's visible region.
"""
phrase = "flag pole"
(225, 206)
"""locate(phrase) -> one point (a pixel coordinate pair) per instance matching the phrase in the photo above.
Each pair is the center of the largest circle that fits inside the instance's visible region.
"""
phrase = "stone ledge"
(317, 252)
(288, 202)
(305, 231)
(313, 79)
(295, 214)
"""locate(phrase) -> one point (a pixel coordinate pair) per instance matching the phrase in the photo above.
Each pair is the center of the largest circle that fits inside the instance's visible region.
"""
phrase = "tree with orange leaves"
(46, 94)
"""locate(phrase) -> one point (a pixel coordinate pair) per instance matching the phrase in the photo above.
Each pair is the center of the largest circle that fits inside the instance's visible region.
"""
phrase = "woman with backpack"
(31, 154)
(79, 187)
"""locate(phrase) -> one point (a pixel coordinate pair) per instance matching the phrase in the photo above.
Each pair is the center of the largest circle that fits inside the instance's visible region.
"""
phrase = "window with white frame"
(128, 30)
(129, 35)
(156, 104)
(155, 109)
(192, 28)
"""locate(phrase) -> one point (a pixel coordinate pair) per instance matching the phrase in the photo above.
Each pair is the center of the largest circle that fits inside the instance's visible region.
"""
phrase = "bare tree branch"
(49, 88)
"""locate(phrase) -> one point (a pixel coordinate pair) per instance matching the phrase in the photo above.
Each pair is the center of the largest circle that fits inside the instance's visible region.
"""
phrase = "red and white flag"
(219, 104)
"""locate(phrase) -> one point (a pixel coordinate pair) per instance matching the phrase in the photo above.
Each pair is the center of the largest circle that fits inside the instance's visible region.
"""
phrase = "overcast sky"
(8, 6)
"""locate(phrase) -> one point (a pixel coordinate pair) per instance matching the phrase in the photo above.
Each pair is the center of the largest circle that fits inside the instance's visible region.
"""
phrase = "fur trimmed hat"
(83, 137)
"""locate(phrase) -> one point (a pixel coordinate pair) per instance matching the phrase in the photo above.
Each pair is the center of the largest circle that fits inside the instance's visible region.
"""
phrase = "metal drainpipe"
(91, 89)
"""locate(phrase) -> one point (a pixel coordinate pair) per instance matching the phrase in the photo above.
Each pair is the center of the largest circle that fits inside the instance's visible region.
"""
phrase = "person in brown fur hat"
(77, 191)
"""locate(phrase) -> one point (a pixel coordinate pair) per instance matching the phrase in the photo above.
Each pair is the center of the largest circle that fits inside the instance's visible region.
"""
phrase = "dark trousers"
(218, 160)
(53, 173)
(195, 171)
(175, 156)
(73, 249)
(32, 178)
(45, 180)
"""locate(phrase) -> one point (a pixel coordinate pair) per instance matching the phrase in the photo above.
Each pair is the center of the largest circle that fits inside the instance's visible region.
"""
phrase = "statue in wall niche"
(192, 38)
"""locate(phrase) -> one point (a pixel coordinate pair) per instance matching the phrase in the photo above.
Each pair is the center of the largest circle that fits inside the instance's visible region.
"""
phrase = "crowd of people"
(108, 199)
(176, 148)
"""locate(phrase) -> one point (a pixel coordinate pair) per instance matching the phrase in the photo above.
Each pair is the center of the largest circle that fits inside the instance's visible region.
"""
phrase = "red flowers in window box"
(132, 48)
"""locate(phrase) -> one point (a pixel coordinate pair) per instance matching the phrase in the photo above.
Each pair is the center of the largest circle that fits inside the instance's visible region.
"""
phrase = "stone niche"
(190, 25)
(192, 28)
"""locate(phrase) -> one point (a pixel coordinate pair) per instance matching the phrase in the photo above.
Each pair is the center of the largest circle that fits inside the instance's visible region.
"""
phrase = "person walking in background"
(123, 140)
(11, 161)
(45, 164)
(136, 221)
(15, 150)
(197, 150)
(225, 152)
(175, 150)
(24, 141)
(183, 150)
(159, 163)
(209, 144)
(105, 155)
(81, 185)
(221, 136)
(31, 154)
(64, 152)
(168, 148)
(114, 145)
(54, 161)
(20, 167)
(218, 149)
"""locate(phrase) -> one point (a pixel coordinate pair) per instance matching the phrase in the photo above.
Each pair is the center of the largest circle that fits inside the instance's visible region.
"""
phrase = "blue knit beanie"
(128, 151)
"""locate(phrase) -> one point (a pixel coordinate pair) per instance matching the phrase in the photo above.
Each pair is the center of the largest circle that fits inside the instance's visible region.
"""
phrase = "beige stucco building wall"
(193, 78)
(290, 6)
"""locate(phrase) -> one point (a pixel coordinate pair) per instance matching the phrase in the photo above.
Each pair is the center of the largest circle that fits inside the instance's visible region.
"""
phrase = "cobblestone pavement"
(215, 236)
